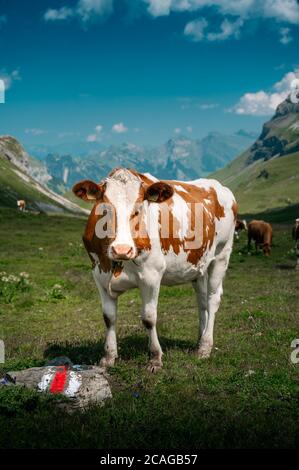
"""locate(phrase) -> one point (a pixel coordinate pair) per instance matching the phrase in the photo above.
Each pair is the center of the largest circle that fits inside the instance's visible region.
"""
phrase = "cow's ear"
(89, 191)
(158, 192)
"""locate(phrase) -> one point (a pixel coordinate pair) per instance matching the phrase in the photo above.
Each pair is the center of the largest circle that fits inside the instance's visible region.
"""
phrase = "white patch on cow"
(181, 212)
(151, 177)
(122, 191)
(180, 188)
(95, 257)
(74, 383)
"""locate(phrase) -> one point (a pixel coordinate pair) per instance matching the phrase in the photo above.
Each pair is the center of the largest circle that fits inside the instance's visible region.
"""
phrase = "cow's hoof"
(204, 352)
(154, 366)
(107, 362)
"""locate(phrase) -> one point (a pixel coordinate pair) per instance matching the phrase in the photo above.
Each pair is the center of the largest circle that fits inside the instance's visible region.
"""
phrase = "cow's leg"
(201, 289)
(215, 275)
(249, 243)
(109, 307)
(150, 294)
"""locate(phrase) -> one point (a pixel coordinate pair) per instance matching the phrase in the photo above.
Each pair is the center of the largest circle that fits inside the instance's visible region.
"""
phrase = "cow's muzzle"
(124, 252)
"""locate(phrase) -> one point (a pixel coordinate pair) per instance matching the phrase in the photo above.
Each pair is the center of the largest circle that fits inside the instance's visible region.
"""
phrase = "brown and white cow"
(240, 225)
(21, 205)
(295, 235)
(165, 232)
(261, 233)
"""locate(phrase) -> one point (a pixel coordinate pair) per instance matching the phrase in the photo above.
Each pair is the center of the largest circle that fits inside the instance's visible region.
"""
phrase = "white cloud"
(84, 10)
(227, 29)
(58, 15)
(285, 36)
(98, 128)
(87, 9)
(281, 10)
(92, 138)
(177, 130)
(119, 128)
(9, 78)
(196, 29)
(35, 131)
(189, 129)
(96, 136)
(264, 103)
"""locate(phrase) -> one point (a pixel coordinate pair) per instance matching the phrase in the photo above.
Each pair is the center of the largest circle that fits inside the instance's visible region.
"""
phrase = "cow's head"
(126, 193)
(267, 249)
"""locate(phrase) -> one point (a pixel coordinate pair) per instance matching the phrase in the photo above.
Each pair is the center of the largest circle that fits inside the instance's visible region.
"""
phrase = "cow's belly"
(179, 270)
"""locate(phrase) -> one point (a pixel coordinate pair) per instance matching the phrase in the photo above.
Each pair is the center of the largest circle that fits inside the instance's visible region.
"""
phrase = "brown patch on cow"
(173, 240)
(235, 210)
(117, 269)
(239, 225)
(212, 210)
(96, 245)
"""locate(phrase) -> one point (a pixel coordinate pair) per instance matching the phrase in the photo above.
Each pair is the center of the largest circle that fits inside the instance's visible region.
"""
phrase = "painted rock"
(82, 385)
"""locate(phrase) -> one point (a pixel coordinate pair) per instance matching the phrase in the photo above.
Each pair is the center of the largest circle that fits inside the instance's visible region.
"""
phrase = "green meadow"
(245, 395)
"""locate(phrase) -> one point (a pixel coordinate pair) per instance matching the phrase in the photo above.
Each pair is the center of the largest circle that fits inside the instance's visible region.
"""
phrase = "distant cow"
(295, 234)
(261, 233)
(163, 232)
(240, 225)
(21, 205)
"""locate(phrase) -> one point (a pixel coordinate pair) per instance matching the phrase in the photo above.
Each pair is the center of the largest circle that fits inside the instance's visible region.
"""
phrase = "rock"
(78, 386)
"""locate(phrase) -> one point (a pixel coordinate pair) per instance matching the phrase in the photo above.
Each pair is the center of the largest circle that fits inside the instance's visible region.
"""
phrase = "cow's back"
(260, 231)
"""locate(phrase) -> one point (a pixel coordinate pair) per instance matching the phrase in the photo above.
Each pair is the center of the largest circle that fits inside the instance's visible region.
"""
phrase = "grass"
(257, 194)
(245, 395)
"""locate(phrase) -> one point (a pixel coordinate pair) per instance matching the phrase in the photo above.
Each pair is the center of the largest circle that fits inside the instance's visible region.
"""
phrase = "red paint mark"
(58, 383)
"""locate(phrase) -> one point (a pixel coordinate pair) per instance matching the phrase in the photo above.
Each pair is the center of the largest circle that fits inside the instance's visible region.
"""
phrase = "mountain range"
(266, 176)
(179, 158)
(263, 177)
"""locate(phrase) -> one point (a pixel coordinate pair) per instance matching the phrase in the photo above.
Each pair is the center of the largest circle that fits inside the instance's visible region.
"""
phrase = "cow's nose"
(122, 251)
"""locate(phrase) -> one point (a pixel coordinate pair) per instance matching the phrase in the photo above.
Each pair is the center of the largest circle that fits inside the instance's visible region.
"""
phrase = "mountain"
(179, 158)
(18, 173)
(267, 174)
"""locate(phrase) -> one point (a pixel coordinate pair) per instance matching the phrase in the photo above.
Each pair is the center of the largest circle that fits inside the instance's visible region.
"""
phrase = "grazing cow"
(240, 225)
(295, 234)
(163, 232)
(21, 205)
(261, 233)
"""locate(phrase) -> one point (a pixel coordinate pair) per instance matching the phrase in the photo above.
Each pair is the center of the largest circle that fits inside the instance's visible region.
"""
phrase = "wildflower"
(24, 275)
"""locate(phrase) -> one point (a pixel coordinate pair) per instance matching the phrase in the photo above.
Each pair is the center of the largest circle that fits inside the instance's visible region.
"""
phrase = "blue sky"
(143, 70)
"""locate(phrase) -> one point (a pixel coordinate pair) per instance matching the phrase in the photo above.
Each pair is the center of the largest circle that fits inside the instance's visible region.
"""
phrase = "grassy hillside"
(245, 395)
(256, 193)
(16, 184)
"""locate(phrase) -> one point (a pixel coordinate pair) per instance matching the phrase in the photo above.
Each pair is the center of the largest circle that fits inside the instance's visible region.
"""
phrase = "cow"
(240, 225)
(21, 205)
(261, 233)
(183, 233)
(295, 235)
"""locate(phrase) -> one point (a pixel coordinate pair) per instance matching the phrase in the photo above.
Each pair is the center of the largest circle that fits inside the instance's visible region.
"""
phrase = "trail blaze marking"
(58, 382)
